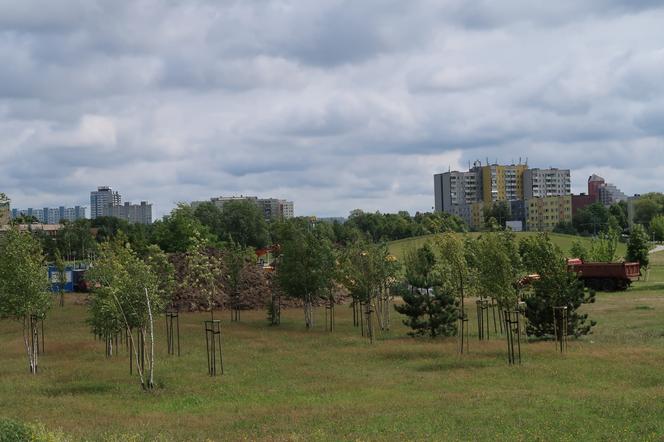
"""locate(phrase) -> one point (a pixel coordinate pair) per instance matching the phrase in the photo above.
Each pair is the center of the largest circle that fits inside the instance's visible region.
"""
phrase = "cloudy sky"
(334, 104)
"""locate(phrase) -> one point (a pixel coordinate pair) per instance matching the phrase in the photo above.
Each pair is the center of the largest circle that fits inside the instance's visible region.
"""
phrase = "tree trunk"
(151, 381)
(29, 349)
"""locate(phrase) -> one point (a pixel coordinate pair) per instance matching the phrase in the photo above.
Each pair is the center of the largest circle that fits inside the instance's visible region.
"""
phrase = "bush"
(13, 431)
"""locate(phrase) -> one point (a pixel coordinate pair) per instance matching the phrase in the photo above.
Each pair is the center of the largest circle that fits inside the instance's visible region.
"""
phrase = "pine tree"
(557, 287)
(430, 309)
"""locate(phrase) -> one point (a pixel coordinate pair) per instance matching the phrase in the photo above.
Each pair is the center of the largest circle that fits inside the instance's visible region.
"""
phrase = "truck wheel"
(608, 285)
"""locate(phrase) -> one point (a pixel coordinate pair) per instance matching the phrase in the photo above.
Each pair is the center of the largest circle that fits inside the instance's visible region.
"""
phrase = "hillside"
(399, 247)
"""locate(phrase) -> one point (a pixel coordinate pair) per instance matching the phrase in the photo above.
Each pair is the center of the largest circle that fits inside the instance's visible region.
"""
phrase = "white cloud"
(334, 104)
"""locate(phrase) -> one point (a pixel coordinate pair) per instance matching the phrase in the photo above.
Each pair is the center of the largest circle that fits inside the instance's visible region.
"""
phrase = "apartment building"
(101, 199)
(544, 213)
(271, 208)
(539, 183)
(51, 215)
(502, 183)
(133, 213)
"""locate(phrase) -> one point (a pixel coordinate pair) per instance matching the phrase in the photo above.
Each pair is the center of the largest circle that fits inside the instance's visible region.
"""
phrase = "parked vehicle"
(605, 276)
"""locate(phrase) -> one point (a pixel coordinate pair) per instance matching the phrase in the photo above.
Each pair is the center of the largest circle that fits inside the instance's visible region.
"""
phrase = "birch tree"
(306, 268)
(126, 292)
(24, 287)
(204, 273)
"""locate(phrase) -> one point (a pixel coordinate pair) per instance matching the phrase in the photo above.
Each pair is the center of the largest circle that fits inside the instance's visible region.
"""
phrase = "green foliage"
(579, 251)
(557, 287)
(431, 312)
(164, 271)
(497, 266)
(204, 273)
(390, 226)
(657, 228)
(243, 222)
(591, 219)
(565, 228)
(119, 280)
(179, 231)
(499, 211)
(24, 288)
(235, 257)
(13, 431)
(420, 267)
(307, 265)
(647, 207)
(431, 308)
(637, 246)
(74, 241)
(454, 271)
(365, 268)
(618, 212)
(603, 247)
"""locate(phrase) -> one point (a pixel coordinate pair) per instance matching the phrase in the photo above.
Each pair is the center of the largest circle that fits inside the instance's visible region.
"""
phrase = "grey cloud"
(334, 104)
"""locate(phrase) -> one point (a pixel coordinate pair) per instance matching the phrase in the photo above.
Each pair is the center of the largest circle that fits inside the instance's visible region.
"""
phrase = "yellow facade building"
(543, 214)
(502, 183)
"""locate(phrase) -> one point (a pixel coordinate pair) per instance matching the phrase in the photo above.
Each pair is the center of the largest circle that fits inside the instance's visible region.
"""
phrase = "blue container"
(53, 279)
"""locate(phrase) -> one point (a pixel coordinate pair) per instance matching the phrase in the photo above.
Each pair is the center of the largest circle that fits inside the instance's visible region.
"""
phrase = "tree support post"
(173, 330)
(213, 345)
(560, 328)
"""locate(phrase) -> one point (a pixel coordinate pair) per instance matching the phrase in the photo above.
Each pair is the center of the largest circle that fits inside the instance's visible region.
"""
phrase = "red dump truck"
(605, 276)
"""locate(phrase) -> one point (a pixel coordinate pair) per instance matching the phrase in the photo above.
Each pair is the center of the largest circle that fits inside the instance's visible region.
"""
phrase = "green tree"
(497, 267)
(429, 307)
(455, 273)
(579, 251)
(235, 258)
(647, 207)
(210, 216)
(557, 287)
(126, 295)
(637, 246)
(24, 288)
(591, 219)
(244, 223)
(179, 231)
(500, 211)
(164, 270)
(204, 273)
(657, 228)
(566, 228)
(306, 267)
(603, 247)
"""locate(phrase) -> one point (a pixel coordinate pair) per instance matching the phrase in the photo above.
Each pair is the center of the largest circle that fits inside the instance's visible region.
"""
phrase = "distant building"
(594, 184)
(51, 215)
(610, 194)
(599, 191)
(538, 183)
(581, 201)
(133, 213)
(543, 214)
(100, 201)
(271, 208)
(502, 183)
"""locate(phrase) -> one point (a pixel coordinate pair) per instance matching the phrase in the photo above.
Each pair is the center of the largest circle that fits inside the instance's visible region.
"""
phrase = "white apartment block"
(542, 183)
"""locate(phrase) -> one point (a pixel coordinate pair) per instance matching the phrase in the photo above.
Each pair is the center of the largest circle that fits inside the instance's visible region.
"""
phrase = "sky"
(335, 105)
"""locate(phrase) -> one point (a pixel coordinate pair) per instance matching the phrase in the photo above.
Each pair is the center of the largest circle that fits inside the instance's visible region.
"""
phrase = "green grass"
(284, 383)
(399, 247)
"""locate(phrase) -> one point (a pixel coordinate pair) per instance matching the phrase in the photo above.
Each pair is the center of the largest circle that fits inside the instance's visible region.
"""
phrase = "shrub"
(13, 431)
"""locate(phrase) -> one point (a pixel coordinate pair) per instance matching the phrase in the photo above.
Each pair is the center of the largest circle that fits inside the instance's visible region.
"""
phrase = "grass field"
(399, 247)
(284, 383)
